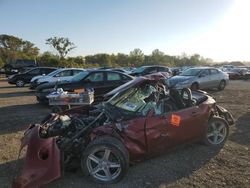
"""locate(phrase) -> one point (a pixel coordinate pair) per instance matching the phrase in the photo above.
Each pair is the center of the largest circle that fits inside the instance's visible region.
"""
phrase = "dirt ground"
(194, 165)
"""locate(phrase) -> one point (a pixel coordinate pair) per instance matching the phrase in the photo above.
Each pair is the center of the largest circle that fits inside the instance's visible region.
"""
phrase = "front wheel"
(216, 132)
(105, 160)
(20, 83)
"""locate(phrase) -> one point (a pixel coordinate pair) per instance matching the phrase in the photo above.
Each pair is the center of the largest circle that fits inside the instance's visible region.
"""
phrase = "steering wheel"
(186, 95)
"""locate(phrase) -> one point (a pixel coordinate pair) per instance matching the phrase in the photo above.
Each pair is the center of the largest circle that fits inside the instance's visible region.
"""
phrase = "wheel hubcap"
(19, 83)
(217, 133)
(103, 165)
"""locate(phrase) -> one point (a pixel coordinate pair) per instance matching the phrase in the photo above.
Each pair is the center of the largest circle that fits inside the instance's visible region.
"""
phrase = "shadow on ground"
(165, 169)
(241, 134)
(19, 94)
(18, 117)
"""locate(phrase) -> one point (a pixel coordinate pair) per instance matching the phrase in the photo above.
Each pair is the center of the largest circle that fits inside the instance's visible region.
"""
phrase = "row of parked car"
(102, 80)
(237, 72)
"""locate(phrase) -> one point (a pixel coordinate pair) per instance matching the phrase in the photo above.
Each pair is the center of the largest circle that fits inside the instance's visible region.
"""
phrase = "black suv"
(144, 70)
(20, 65)
(23, 78)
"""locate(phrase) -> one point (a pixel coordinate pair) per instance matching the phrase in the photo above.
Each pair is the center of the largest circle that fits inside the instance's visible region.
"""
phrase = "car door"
(114, 80)
(29, 75)
(96, 81)
(204, 79)
(65, 75)
(214, 78)
(164, 131)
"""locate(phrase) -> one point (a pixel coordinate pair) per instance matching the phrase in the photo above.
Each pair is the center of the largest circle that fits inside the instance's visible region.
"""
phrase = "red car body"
(143, 136)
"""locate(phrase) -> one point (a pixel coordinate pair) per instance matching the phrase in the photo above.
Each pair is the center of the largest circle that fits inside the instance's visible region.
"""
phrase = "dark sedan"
(145, 70)
(102, 81)
(24, 78)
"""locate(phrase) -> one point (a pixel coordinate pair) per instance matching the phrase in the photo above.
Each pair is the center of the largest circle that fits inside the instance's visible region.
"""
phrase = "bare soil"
(194, 165)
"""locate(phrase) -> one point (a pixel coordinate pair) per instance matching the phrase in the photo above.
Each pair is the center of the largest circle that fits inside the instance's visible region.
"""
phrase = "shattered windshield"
(135, 99)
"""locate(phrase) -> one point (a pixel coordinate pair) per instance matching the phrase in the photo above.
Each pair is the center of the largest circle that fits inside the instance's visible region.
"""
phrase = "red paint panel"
(42, 162)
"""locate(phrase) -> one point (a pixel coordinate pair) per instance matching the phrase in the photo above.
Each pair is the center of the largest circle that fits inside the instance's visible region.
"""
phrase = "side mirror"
(43, 74)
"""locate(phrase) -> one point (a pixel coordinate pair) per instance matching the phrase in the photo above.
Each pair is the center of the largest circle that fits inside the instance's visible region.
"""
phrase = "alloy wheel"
(19, 83)
(217, 132)
(103, 165)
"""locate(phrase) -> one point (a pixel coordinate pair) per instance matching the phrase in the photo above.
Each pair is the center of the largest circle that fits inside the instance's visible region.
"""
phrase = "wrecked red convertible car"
(143, 118)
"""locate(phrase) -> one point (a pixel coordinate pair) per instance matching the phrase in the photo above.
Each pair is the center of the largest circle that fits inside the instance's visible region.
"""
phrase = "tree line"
(12, 48)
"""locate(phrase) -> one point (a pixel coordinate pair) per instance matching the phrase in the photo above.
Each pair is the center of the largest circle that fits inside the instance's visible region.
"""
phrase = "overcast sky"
(217, 29)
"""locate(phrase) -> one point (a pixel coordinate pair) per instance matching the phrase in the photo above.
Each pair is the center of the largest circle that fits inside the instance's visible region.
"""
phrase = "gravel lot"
(194, 165)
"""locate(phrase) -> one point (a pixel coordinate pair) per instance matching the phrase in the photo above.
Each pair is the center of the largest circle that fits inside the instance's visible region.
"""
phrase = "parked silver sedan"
(200, 78)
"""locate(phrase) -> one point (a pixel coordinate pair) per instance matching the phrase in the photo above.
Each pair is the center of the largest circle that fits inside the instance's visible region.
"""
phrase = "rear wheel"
(217, 132)
(222, 85)
(105, 160)
(20, 83)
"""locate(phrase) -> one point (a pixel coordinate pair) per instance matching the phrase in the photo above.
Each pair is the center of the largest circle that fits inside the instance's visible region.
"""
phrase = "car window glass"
(75, 72)
(34, 72)
(113, 76)
(214, 71)
(19, 62)
(152, 70)
(64, 73)
(95, 77)
(163, 69)
(29, 62)
(205, 72)
(46, 71)
(125, 77)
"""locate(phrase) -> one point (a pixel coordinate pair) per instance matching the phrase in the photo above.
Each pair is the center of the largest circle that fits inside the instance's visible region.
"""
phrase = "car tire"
(20, 83)
(222, 85)
(216, 132)
(194, 86)
(105, 160)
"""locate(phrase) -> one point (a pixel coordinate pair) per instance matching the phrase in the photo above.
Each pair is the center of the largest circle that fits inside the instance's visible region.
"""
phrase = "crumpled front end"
(225, 114)
(42, 161)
